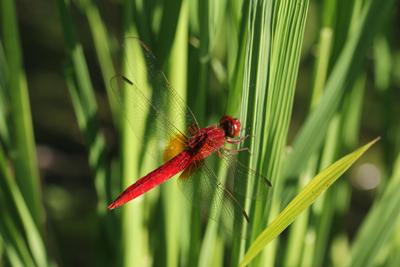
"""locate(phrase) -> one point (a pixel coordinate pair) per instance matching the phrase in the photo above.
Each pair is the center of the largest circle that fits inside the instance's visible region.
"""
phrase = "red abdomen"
(154, 178)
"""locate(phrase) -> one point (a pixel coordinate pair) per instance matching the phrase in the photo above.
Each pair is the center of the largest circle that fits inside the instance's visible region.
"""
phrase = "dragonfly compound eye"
(230, 125)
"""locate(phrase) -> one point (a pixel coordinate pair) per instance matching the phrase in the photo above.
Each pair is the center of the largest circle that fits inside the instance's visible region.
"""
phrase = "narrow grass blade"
(198, 88)
(251, 71)
(236, 73)
(238, 57)
(134, 247)
(298, 231)
(4, 131)
(303, 200)
(84, 101)
(94, 139)
(296, 241)
(324, 206)
(173, 199)
(1, 248)
(352, 111)
(379, 225)
(321, 65)
(12, 197)
(7, 250)
(171, 17)
(394, 256)
(276, 83)
(15, 247)
(102, 45)
(25, 161)
(383, 63)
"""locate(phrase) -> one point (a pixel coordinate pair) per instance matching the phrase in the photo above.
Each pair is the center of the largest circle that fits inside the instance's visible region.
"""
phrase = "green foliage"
(303, 200)
(304, 102)
(21, 131)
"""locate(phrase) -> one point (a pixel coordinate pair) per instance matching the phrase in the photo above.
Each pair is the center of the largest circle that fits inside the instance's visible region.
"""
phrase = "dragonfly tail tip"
(112, 206)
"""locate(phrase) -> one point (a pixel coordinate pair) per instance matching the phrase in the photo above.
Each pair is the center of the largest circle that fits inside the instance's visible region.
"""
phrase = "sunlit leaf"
(303, 200)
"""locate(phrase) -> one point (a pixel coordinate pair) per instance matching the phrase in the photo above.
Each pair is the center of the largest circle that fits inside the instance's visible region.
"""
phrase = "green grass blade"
(296, 241)
(25, 161)
(288, 20)
(11, 191)
(95, 140)
(210, 246)
(15, 246)
(173, 199)
(171, 16)
(86, 111)
(198, 90)
(238, 57)
(383, 63)
(379, 225)
(325, 205)
(343, 76)
(102, 45)
(204, 60)
(259, 54)
(298, 231)
(4, 131)
(85, 105)
(234, 20)
(7, 249)
(133, 245)
(394, 256)
(352, 111)
(217, 12)
(321, 65)
(303, 200)
(1, 249)
(252, 49)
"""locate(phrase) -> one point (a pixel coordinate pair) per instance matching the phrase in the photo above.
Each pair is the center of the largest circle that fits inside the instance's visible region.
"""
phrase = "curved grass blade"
(303, 200)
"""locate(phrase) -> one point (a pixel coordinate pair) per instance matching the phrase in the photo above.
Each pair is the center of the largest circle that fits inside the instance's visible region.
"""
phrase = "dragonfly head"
(230, 125)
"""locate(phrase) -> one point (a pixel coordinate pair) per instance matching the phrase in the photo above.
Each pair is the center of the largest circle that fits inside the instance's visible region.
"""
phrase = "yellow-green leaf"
(303, 200)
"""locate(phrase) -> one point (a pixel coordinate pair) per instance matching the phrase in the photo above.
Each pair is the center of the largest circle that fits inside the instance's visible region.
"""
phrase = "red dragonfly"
(186, 150)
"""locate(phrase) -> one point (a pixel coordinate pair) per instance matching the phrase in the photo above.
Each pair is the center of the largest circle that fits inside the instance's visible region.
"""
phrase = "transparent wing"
(206, 193)
(239, 176)
(144, 88)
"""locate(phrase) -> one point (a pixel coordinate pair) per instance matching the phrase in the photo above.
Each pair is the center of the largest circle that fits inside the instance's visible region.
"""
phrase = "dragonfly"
(187, 149)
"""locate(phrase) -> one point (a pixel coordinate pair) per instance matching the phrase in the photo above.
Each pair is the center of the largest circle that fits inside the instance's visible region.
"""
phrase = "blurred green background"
(63, 152)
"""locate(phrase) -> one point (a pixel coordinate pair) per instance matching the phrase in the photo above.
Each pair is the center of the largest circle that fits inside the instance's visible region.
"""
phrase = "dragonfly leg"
(237, 141)
(234, 151)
